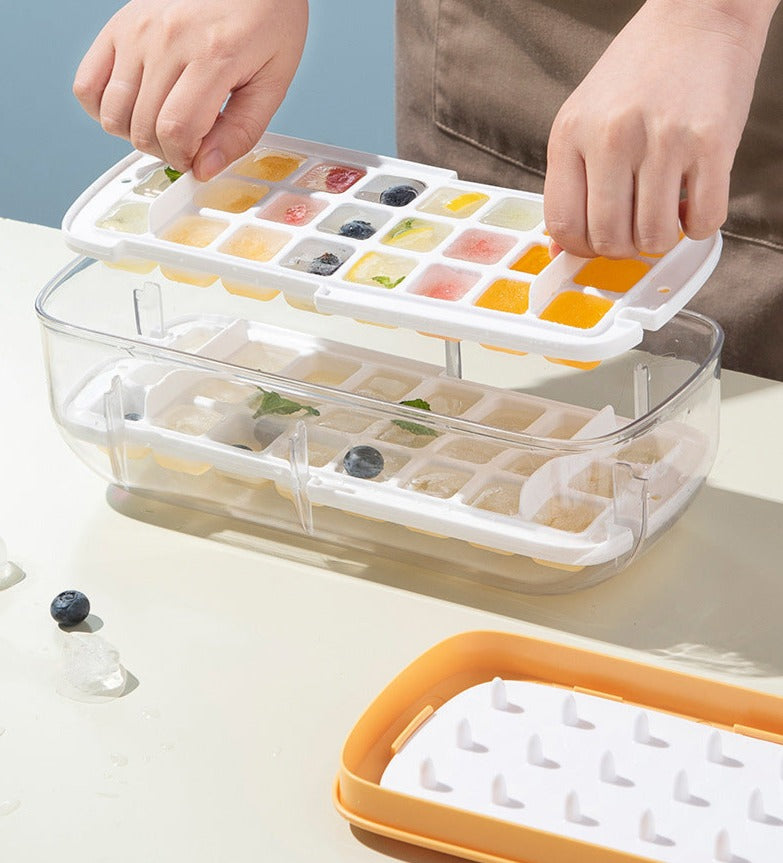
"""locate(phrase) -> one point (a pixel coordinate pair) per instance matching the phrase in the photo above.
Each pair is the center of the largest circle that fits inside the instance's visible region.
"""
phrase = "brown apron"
(480, 81)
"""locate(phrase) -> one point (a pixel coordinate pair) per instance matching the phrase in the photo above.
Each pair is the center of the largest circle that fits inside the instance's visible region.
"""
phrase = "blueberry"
(324, 265)
(364, 462)
(133, 417)
(70, 607)
(357, 229)
(398, 196)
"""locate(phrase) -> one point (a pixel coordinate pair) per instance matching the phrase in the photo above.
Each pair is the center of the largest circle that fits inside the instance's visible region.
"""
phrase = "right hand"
(160, 70)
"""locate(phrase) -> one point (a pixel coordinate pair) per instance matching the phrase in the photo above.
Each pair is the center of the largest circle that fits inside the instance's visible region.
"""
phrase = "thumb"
(238, 128)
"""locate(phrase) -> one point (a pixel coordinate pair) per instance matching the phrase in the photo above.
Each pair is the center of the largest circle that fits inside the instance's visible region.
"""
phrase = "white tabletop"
(251, 660)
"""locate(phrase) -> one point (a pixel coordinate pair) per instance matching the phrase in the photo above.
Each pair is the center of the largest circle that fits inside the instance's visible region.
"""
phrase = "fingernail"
(212, 163)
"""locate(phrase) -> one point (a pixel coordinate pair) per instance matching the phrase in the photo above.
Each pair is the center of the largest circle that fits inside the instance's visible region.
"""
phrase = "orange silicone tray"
(473, 658)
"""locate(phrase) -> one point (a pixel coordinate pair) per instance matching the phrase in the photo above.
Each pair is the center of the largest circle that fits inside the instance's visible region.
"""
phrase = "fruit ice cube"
(533, 260)
(442, 482)
(529, 462)
(256, 244)
(265, 358)
(471, 450)
(451, 402)
(222, 390)
(231, 196)
(506, 295)
(329, 372)
(272, 165)
(417, 235)
(456, 203)
(408, 434)
(292, 209)
(573, 516)
(189, 419)
(575, 309)
(348, 421)
(355, 222)
(379, 270)
(597, 479)
(388, 387)
(130, 218)
(444, 283)
(607, 274)
(501, 497)
(515, 419)
(480, 247)
(329, 177)
(153, 183)
(391, 191)
(196, 231)
(518, 214)
(317, 257)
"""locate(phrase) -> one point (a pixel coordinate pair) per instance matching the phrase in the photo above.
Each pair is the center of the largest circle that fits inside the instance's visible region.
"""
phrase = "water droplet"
(118, 760)
(167, 747)
(150, 713)
(9, 806)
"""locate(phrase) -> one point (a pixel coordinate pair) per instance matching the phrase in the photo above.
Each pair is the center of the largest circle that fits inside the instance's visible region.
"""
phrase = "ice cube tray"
(561, 505)
(387, 241)
(499, 747)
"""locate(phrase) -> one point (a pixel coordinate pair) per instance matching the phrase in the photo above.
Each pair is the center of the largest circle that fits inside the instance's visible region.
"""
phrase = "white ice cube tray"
(639, 295)
(545, 496)
(661, 787)
(569, 756)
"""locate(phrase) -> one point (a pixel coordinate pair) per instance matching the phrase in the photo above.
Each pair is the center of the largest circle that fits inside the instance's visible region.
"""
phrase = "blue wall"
(50, 150)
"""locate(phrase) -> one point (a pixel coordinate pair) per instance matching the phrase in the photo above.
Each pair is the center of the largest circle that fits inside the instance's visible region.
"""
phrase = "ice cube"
(441, 482)
(91, 665)
(10, 574)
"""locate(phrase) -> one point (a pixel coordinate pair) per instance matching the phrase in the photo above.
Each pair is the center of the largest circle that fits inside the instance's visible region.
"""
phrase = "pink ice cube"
(444, 283)
(292, 209)
(481, 247)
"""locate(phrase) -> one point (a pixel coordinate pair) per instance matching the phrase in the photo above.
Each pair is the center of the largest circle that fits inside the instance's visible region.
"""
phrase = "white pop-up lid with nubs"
(386, 241)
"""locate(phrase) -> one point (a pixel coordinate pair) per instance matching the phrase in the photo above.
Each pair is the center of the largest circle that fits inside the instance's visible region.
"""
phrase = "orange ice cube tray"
(502, 748)
(386, 241)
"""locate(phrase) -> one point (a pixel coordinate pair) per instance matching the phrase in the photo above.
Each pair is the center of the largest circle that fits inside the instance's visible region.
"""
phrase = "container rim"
(341, 398)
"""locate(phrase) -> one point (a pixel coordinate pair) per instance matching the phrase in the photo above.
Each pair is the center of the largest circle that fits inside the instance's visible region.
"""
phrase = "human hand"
(662, 111)
(160, 70)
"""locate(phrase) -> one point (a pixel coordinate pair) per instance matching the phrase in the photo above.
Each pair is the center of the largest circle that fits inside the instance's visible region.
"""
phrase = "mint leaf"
(416, 428)
(417, 403)
(172, 173)
(267, 403)
(386, 282)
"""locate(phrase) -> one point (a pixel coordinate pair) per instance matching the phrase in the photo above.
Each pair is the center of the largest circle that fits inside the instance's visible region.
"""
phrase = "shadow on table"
(709, 594)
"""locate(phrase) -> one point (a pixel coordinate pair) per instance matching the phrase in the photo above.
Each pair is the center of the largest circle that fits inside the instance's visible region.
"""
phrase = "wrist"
(745, 22)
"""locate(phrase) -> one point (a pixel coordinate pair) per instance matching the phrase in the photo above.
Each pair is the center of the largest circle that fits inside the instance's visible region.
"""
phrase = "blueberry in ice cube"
(132, 417)
(357, 229)
(325, 264)
(363, 462)
(70, 607)
(398, 196)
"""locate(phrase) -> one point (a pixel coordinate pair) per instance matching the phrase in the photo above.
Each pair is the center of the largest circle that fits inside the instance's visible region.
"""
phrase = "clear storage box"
(504, 468)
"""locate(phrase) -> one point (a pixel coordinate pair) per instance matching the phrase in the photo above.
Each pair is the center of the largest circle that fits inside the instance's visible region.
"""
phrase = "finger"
(237, 130)
(156, 84)
(565, 199)
(93, 75)
(554, 249)
(706, 206)
(610, 206)
(119, 96)
(656, 218)
(188, 113)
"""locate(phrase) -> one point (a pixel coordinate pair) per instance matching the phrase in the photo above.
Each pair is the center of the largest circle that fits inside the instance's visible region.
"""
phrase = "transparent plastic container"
(504, 468)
